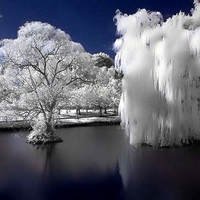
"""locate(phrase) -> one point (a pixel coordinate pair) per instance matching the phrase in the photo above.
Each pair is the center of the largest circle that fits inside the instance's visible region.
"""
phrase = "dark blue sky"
(89, 22)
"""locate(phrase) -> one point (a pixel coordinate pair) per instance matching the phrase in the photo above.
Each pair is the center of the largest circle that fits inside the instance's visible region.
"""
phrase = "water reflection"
(96, 163)
(89, 150)
(85, 165)
(160, 173)
(46, 152)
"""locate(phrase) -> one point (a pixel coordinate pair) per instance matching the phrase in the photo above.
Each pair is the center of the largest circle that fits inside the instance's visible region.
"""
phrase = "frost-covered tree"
(101, 99)
(115, 90)
(94, 93)
(102, 60)
(101, 92)
(106, 96)
(104, 90)
(77, 99)
(160, 61)
(41, 63)
(105, 79)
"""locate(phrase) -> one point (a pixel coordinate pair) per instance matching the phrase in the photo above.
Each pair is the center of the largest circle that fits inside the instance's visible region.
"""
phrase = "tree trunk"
(49, 124)
(100, 112)
(49, 129)
(116, 110)
(79, 111)
(105, 111)
(77, 117)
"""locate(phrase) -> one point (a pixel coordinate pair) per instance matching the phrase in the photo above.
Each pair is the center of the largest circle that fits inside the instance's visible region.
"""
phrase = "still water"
(96, 163)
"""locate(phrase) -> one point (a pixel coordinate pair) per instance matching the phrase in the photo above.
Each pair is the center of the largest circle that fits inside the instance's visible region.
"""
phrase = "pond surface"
(96, 163)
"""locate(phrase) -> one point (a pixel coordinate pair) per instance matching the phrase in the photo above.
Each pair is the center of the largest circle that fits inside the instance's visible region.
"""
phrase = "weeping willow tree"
(161, 66)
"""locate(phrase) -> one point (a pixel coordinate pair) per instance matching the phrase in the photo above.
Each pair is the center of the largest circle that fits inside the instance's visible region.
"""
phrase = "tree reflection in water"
(167, 173)
(47, 152)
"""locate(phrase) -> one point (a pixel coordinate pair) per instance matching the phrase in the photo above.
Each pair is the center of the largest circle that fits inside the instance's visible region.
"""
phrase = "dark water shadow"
(163, 174)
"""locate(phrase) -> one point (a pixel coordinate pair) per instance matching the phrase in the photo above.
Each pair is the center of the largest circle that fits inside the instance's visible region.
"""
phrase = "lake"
(95, 162)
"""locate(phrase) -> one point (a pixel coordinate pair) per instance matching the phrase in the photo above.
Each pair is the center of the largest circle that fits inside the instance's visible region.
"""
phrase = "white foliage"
(161, 65)
(39, 64)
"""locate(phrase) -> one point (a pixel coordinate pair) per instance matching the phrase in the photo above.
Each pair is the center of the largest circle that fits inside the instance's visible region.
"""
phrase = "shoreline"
(64, 123)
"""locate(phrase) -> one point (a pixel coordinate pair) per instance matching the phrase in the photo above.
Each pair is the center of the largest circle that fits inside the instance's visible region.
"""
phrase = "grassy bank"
(68, 119)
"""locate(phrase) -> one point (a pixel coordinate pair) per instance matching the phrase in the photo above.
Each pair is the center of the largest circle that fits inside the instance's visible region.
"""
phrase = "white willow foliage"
(161, 85)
